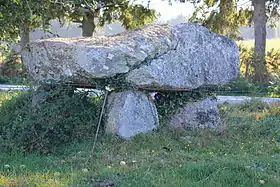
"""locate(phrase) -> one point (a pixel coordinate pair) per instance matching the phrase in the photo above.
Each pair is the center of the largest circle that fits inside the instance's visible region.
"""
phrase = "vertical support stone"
(199, 114)
(130, 113)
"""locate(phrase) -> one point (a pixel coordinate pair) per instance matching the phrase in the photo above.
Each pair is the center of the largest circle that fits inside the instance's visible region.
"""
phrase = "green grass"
(247, 152)
(270, 44)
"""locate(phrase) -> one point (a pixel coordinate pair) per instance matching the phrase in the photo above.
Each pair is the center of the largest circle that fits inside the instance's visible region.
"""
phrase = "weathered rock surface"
(155, 57)
(199, 114)
(130, 113)
(200, 58)
(97, 57)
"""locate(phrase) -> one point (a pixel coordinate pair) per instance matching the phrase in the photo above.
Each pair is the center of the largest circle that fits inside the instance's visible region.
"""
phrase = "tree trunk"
(247, 65)
(260, 40)
(24, 40)
(24, 36)
(88, 25)
(227, 10)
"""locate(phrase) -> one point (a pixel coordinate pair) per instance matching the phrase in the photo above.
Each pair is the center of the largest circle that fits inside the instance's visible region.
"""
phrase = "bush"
(274, 88)
(240, 86)
(13, 80)
(247, 62)
(62, 117)
(168, 103)
(11, 66)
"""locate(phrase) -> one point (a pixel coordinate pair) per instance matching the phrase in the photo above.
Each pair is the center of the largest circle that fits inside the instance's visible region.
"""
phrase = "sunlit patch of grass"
(8, 95)
(36, 179)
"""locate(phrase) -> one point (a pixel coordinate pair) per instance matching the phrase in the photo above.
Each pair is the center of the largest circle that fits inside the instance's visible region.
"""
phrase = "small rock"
(122, 163)
(104, 183)
(261, 181)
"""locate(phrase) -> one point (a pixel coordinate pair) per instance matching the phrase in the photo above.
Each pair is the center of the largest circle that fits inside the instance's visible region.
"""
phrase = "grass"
(246, 154)
(270, 44)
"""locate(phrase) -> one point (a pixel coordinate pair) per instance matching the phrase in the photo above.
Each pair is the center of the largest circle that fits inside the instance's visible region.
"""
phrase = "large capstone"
(130, 113)
(200, 58)
(199, 114)
(154, 57)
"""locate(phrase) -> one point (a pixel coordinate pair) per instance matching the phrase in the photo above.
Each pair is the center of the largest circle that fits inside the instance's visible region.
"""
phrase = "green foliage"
(4, 52)
(30, 14)
(240, 84)
(213, 14)
(248, 62)
(168, 103)
(47, 119)
(273, 61)
(253, 106)
(130, 15)
(245, 86)
(225, 18)
(116, 83)
(274, 88)
(11, 67)
(36, 13)
(12, 80)
(240, 87)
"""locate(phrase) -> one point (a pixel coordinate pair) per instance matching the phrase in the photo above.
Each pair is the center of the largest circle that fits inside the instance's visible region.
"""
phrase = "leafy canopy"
(14, 14)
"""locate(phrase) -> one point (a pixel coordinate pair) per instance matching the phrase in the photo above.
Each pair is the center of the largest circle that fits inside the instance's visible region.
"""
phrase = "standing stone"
(130, 113)
(199, 114)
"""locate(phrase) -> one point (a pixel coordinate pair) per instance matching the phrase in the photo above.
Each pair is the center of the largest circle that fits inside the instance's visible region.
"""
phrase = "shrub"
(62, 117)
(274, 88)
(168, 103)
(247, 62)
(240, 86)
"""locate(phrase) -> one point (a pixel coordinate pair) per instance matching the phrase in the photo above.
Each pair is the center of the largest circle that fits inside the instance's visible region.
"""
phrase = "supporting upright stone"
(200, 114)
(130, 113)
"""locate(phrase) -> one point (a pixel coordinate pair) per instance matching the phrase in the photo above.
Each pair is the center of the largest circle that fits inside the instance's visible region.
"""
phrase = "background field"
(270, 44)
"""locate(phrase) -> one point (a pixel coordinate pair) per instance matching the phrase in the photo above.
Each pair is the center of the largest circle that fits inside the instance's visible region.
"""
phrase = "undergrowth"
(168, 103)
(47, 119)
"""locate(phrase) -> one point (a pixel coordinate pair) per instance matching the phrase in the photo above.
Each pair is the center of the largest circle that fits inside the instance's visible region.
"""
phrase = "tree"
(222, 17)
(130, 15)
(260, 39)
(19, 17)
(265, 12)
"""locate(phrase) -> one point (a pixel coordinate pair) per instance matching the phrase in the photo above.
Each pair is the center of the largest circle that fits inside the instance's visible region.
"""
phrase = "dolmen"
(151, 58)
